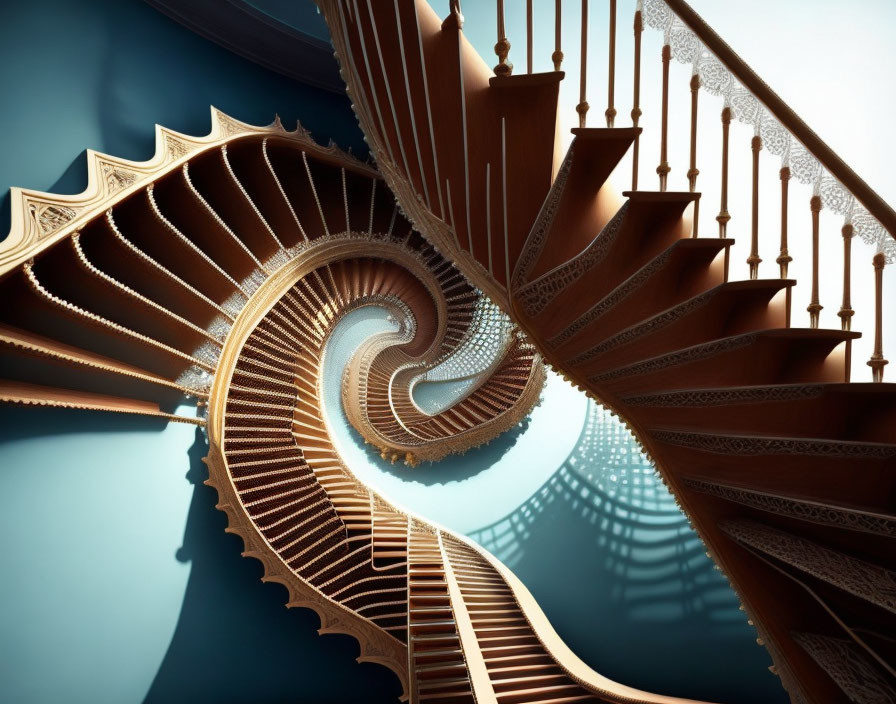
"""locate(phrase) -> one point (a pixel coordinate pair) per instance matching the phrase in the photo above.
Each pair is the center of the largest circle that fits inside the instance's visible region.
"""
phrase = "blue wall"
(88, 73)
(119, 584)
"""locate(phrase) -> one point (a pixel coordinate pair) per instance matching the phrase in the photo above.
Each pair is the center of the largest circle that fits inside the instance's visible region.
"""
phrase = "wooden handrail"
(792, 122)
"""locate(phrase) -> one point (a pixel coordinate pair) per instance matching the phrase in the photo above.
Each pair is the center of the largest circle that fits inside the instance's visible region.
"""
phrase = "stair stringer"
(376, 645)
(440, 231)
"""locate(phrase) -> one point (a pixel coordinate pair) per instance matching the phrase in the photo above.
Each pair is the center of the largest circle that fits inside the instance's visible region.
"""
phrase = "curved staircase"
(221, 269)
(786, 469)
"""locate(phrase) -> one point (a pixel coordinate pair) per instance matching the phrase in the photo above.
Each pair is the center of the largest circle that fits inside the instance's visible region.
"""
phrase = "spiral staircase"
(220, 269)
(785, 467)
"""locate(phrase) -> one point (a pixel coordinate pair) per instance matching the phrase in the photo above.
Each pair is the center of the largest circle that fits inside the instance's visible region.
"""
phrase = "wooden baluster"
(557, 56)
(877, 361)
(611, 79)
(784, 257)
(693, 171)
(502, 48)
(636, 98)
(724, 217)
(846, 311)
(456, 12)
(663, 169)
(528, 36)
(754, 259)
(582, 107)
(814, 307)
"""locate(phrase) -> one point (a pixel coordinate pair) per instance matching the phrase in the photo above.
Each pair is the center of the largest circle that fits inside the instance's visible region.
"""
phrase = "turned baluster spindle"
(754, 259)
(693, 171)
(846, 312)
(783, 260)
(502, 48)
(456, 12)
(877, 361)
(557, 56)
(636, 98)
(814, 307)
(724, 217)
(663, 169)
(784, 257)
(528, 36)
(611, 78)
(582, 107)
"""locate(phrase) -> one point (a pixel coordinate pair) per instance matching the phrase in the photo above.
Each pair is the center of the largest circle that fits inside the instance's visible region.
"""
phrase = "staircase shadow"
(623, 578)
(235, 640)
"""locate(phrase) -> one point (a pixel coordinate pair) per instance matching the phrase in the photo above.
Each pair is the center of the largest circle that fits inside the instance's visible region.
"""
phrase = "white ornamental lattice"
(487, 339)
(687, 48)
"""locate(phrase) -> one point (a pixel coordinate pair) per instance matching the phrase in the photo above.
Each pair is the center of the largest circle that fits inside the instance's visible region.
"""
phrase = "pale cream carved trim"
(376, 645)
(41, 219)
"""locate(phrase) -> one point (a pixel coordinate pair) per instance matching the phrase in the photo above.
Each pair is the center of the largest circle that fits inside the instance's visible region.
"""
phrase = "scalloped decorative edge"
(376, 646)
(40, 219)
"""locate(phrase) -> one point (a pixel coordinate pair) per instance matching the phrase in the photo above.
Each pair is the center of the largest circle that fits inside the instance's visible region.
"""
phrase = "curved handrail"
(788, 118)
(749, 99)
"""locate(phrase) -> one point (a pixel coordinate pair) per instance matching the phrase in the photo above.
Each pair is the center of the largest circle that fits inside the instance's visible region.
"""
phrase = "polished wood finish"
(663, 169)
(611, 68)
(502, 46)
(529, 29)
(814, 307)
(636, 98)
(745, 416)
(786, 115)
(557, 56)
(693, 171)
(783, 260)
(877, 361)
(582, 107)
(754, 259)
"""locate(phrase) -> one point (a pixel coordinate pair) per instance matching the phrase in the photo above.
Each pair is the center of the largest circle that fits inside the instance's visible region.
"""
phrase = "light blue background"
(119, 584)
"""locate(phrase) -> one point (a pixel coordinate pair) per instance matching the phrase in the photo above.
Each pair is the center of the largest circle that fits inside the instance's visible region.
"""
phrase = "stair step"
(525, 80)
(856, 411)
(523, 696)
(679, 272)
(762, 445)
(726, 310)
(576, 210)
(764, 357)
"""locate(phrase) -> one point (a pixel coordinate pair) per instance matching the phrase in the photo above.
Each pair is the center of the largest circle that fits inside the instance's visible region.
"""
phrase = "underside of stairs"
(787, 471)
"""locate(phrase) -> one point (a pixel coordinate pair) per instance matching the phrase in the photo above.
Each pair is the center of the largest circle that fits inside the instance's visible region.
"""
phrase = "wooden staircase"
(787, 471)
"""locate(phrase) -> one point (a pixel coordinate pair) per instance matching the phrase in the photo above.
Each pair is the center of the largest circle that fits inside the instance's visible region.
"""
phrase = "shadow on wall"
(235, 641)
(98, 74)
(623, 578)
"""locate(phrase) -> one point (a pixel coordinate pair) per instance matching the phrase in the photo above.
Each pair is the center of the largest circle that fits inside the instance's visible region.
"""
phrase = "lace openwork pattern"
(810, 511)
(687, 48)
(867, 581)
(755, 445)
(674, 359)
(726, 397)
(848, 667)
(536, 296)
(487, 339)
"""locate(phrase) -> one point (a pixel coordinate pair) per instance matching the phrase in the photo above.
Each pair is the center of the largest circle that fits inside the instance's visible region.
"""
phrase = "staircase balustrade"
(718, 70)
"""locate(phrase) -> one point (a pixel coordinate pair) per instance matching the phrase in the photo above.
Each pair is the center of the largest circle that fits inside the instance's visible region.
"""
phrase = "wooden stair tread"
(525, 80)
(662, 196)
